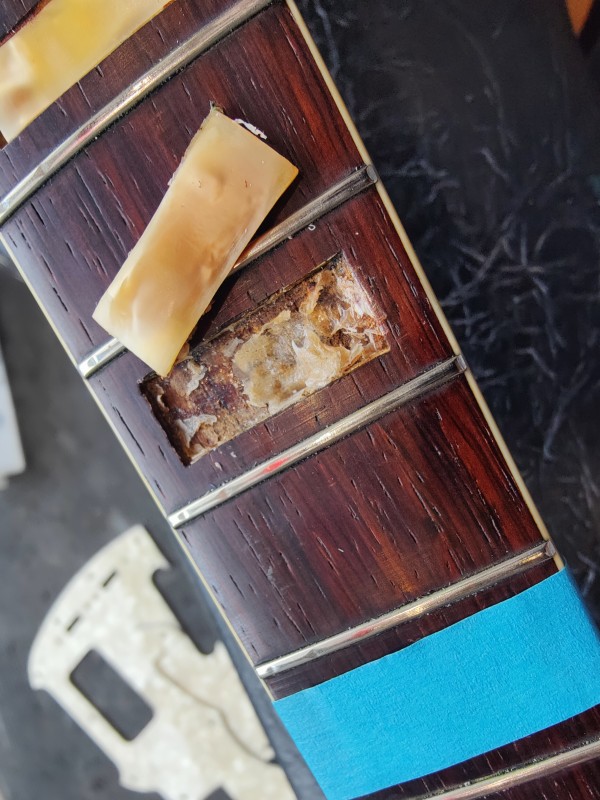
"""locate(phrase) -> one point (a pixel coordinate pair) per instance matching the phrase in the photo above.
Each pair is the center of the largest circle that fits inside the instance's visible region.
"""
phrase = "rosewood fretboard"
(304, 539)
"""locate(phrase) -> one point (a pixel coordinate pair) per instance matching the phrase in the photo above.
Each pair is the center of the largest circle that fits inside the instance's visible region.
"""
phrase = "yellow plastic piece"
(58, 46)
(227, 183)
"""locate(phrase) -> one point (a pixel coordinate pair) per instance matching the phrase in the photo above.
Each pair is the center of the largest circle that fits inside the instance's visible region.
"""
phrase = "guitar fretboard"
(379, 509)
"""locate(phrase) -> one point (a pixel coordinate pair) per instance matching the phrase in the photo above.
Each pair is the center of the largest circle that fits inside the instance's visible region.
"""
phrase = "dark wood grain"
(360, 228)
(399, 509)
(395, 639)
(118, 71)
(406, 506)
(72, 238)
(14, 13)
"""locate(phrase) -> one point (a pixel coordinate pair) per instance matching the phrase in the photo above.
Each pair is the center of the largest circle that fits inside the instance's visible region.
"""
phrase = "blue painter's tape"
(506, 672)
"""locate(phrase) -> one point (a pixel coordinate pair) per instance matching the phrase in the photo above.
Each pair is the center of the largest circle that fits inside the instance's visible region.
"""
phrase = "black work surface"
(484, 125)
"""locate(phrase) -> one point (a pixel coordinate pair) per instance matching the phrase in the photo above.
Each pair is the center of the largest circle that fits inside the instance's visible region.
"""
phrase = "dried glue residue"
(295, 343)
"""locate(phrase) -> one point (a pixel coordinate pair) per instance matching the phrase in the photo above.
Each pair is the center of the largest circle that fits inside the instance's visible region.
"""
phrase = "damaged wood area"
(296, 342)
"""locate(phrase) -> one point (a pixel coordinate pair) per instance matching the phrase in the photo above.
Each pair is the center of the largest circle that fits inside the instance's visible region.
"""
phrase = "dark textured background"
(483, 120)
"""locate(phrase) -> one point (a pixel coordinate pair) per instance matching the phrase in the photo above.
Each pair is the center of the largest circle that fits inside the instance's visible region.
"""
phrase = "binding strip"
(179, 58)
(335, 196)
(426, 382)
(501, 781)
(411, 611)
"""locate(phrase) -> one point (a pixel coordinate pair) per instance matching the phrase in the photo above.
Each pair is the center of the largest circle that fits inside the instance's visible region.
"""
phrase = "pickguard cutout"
(297, 341)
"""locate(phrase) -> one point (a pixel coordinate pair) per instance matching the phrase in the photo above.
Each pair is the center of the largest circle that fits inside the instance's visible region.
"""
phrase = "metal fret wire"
(501, 781)
(100, 357)
(426, 382)
(330, 199)
(411, 611)
(177, 59)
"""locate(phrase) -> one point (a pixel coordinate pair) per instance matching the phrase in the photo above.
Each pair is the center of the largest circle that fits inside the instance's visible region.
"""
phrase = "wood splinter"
(227, 183)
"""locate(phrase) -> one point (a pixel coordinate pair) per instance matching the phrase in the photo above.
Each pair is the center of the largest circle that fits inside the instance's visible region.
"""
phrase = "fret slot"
(179, 58)
(332, 198)
(433, 379)
(296, 342)
(337, 195)
(523, 774)
(484, 579)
